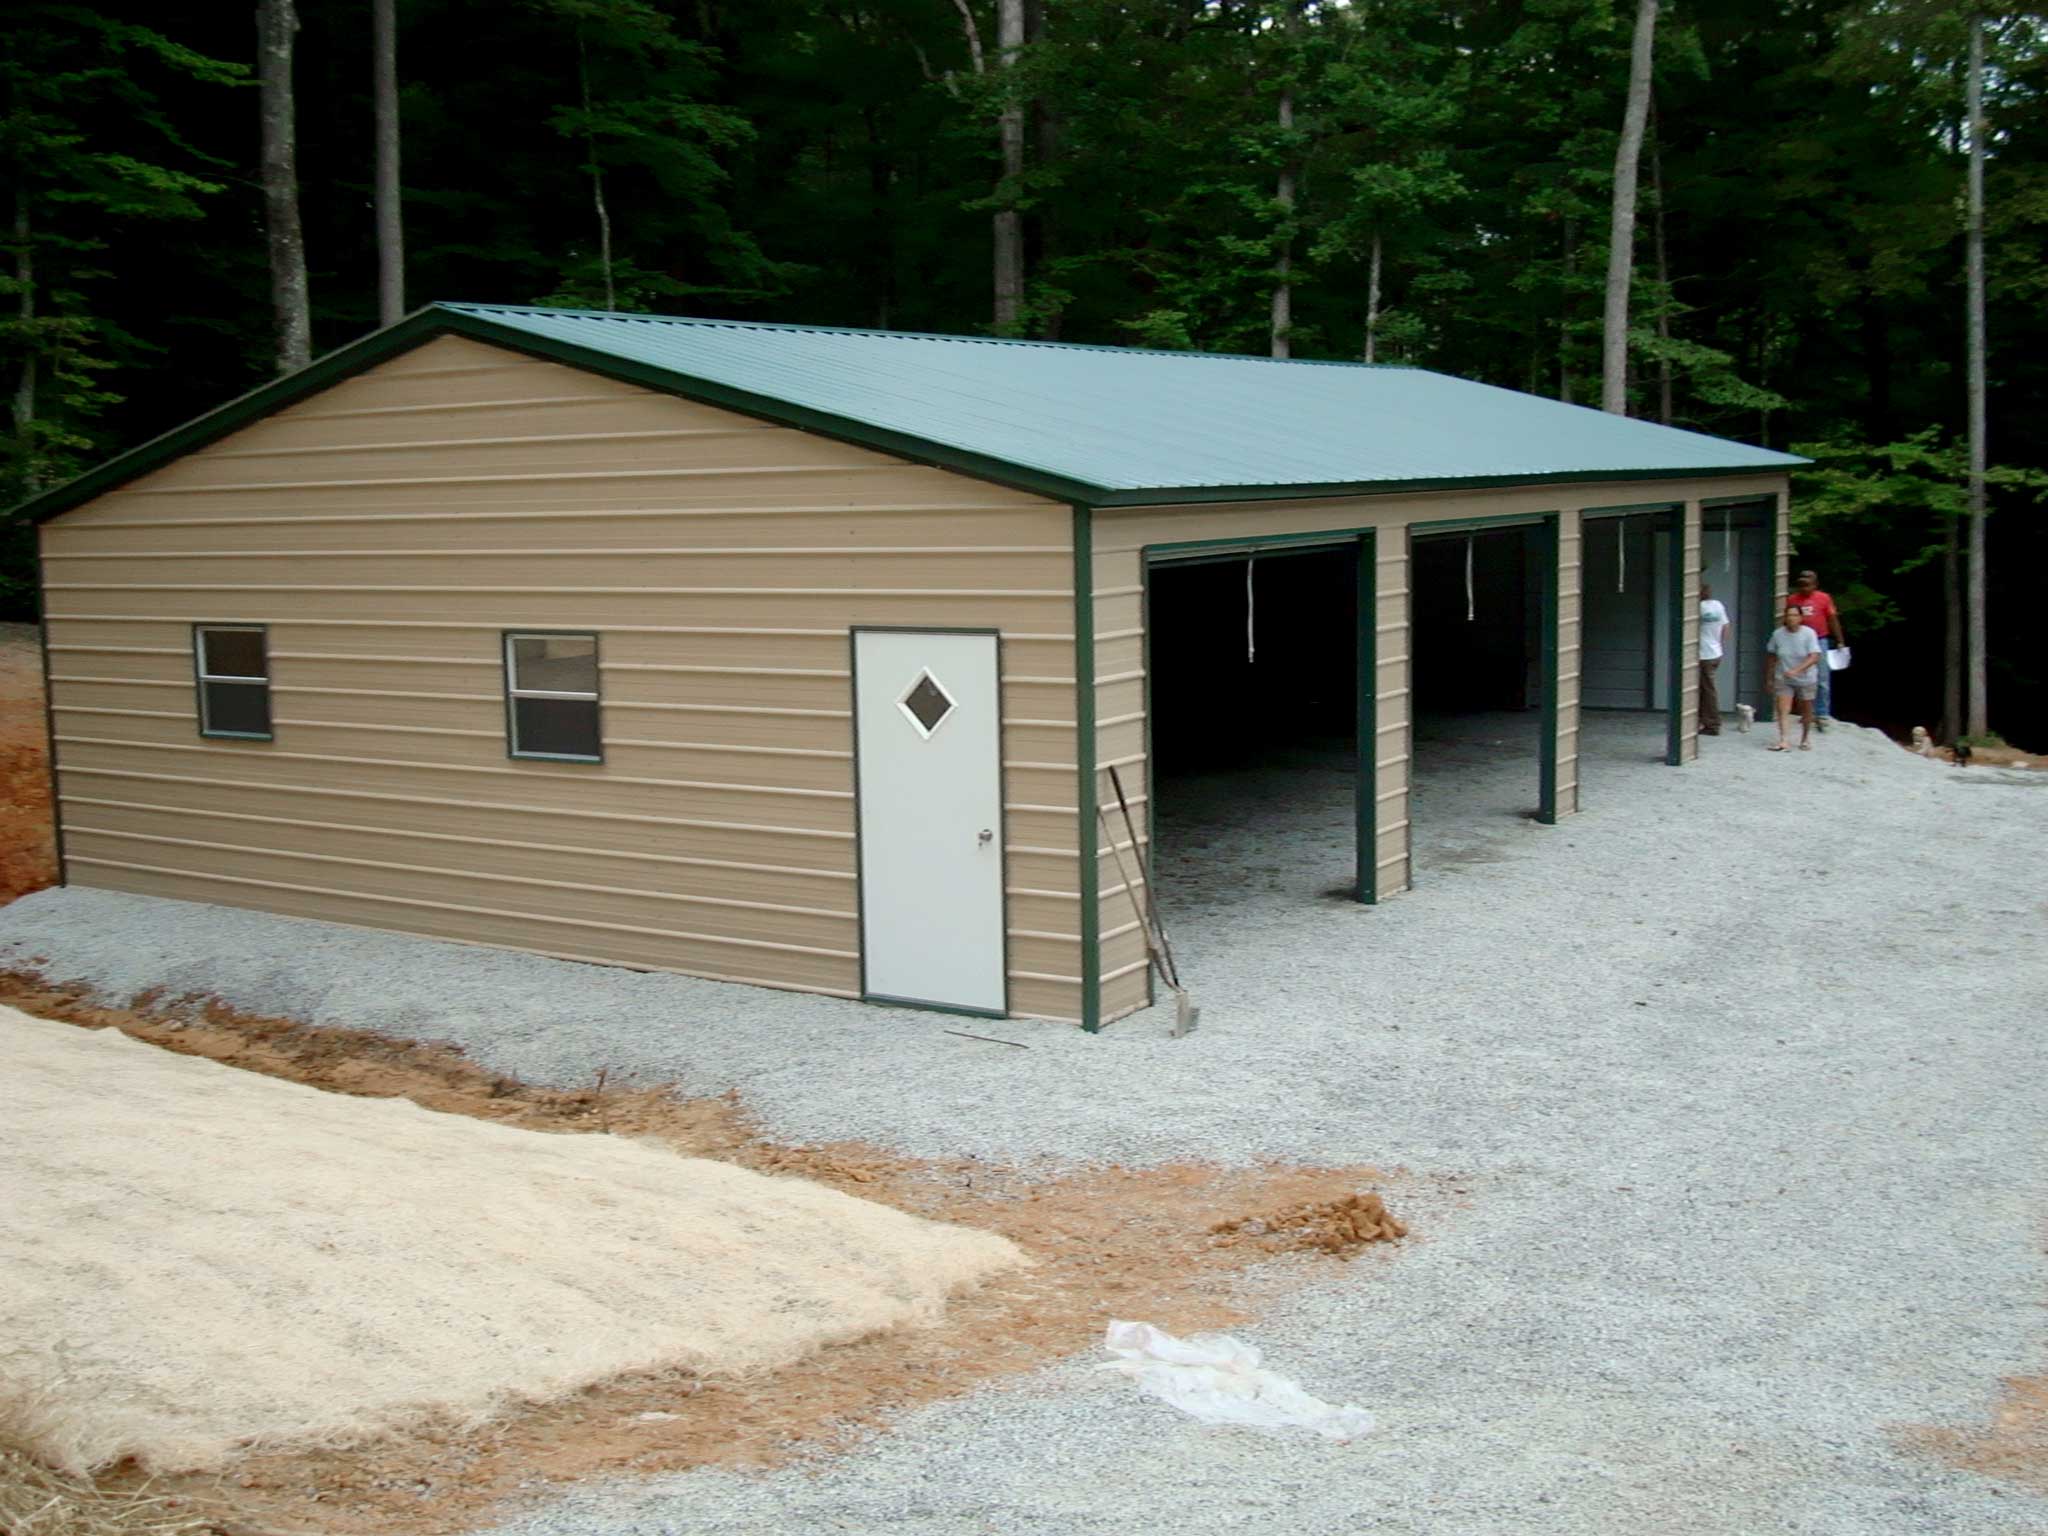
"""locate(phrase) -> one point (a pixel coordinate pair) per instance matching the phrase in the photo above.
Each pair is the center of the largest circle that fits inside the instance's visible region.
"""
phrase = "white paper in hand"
(1219, 1380)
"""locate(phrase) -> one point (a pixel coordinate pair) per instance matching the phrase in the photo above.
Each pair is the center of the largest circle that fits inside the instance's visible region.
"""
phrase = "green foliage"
(838, 164)
(640, 112)
(80, 117)
(1912, 492)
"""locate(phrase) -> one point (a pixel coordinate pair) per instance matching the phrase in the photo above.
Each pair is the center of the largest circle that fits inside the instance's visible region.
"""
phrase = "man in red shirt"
(1824, 620)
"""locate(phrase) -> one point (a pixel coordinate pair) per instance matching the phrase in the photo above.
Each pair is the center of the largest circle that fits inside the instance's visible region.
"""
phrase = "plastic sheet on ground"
(1220, 1380)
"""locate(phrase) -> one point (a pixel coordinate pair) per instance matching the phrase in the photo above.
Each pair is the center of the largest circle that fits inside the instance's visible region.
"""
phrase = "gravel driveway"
(1722, 1103)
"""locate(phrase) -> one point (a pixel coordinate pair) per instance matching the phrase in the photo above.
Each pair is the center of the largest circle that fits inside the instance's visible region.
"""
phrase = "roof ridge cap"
(636, 317)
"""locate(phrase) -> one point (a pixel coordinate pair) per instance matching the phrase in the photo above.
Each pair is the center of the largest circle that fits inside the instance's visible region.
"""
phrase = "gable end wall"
(388, 529)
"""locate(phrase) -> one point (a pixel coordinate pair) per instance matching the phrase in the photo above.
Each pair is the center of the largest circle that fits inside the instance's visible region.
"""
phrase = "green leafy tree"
(1881, 511)
(1392, 91)
(1801, 275)
(640, 110)
(90, 159)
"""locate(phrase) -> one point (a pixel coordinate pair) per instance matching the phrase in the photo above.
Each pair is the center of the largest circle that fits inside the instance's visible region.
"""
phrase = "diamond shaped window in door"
(927, 704)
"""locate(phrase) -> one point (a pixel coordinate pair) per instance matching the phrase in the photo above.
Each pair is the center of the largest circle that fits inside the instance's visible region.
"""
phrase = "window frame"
(513, 693)
(201, 677)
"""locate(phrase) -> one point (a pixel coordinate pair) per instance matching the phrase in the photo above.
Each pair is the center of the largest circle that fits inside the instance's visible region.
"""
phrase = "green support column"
(1544, 542)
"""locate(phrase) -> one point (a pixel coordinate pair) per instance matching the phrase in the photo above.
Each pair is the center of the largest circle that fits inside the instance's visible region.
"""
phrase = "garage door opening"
(1254, 689)
(1477, 597)
(1628, 689)
(1736, 548)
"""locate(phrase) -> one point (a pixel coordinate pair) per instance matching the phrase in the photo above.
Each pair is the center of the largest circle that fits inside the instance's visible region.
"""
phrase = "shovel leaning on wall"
(1185, 1014)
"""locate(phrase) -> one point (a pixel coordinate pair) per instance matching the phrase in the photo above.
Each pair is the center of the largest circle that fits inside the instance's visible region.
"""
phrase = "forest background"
(1385, 180)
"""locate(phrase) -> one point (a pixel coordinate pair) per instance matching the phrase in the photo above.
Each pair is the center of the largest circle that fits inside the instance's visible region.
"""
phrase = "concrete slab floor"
(1234, 839)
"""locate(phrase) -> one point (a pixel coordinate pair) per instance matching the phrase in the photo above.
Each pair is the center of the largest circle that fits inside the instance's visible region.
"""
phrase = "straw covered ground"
(199, 1258)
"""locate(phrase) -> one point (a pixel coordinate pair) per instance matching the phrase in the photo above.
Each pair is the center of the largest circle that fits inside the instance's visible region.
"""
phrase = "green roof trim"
(1108, 426)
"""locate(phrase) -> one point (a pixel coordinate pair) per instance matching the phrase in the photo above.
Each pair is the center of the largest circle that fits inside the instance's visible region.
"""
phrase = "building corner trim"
(1550, 541)
(1087, 819)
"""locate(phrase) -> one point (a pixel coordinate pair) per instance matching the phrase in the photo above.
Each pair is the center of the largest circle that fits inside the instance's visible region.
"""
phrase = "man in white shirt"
(1713, 625)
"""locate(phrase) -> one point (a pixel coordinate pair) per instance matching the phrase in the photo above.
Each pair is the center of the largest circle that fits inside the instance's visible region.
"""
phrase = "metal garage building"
(797, 656)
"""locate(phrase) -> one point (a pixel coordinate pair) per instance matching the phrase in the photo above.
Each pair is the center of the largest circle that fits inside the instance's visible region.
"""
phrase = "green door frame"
(1086, 846)
(1546, 545)
(1545, 548)
(1364, 546)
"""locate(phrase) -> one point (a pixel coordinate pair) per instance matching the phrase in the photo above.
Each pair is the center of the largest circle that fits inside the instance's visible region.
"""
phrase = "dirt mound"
(1108, 1242)
(1342, 1227)
(276, 1264)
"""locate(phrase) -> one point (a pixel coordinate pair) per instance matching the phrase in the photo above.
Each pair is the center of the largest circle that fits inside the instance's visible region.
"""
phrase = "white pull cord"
(1251, 649)
(1620, 554)
(1469, 610)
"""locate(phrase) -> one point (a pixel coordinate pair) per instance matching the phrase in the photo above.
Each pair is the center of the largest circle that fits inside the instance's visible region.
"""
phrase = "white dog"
(1745, 716)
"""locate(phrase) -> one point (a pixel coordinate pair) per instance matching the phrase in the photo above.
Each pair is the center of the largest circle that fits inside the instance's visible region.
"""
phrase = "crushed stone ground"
(1740, 1074)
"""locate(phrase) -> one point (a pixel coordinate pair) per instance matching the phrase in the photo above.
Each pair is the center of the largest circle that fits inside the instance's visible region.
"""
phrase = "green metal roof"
(1128, 420)
(1108, 425)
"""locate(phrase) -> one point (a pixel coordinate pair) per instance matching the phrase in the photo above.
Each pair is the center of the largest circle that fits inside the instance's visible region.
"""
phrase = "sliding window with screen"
(551, 696)
(231, 663)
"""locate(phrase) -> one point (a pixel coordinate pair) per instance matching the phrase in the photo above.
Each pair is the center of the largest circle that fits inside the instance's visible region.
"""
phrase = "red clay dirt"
(28, 850)
(2013, 1446)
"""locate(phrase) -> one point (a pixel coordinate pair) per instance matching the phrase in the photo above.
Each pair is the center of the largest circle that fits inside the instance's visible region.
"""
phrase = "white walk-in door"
(927, 708)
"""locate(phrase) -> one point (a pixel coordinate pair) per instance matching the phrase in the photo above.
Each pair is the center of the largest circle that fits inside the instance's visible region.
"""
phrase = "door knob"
(987, 836)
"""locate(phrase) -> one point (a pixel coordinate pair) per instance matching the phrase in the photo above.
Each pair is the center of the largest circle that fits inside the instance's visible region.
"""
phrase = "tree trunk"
(1664, 299)
(276, 23)
(1979, 717)
(1041, 250)
(1622, 229)
(390, 218)
(1283, 195)
(24, 403)
(604, 217)
(1879, 425)
(1564, 313)
(1372, 300)
(1952, 640)
(1009, 221)
(881, 242)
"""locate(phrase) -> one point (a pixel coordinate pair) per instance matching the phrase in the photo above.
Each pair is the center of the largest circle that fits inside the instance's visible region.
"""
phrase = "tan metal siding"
(388, 529)
(1393, 725)
(1571, 608)
(1120, 743)
(1782, 575)
(1687, 659)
